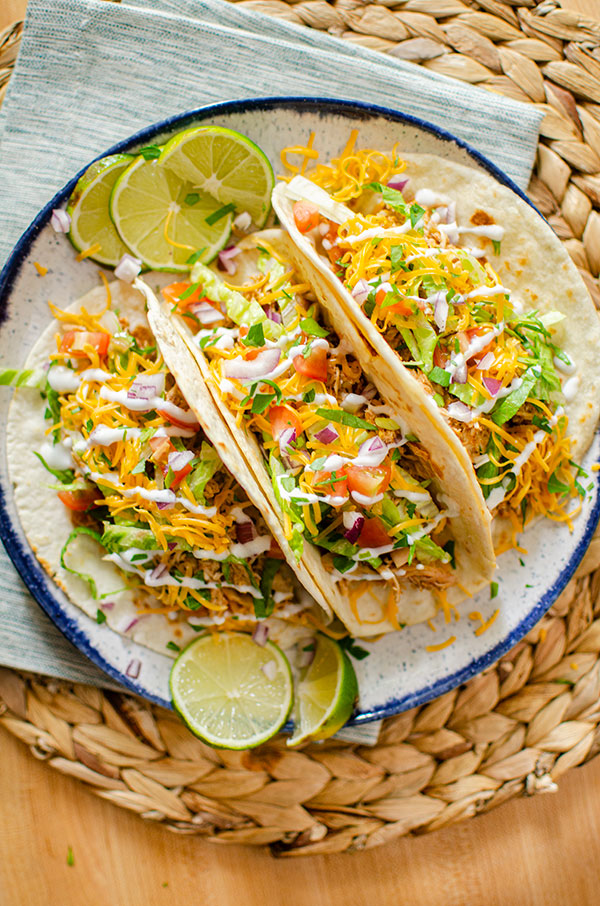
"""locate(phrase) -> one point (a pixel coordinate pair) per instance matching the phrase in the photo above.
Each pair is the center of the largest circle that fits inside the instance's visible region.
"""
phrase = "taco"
(460, 287)
(390, 526)
(125, 501)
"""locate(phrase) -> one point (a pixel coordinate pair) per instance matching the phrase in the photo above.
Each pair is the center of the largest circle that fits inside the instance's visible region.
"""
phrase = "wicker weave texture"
(513, 730)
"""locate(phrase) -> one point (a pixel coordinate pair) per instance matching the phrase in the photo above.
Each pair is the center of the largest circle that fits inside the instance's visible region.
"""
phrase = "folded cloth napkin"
(90, 73)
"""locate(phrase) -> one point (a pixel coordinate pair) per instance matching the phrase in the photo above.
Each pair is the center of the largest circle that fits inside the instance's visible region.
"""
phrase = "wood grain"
(539, 852)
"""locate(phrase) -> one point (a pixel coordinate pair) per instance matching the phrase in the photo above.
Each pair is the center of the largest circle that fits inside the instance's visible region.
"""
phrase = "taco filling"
(348, 476)
(137, 474)
(495, 370)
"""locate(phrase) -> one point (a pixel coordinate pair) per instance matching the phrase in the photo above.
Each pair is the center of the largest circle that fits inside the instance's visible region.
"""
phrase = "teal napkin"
(90, 73)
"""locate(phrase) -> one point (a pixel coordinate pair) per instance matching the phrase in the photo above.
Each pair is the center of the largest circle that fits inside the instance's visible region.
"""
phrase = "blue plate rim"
(24, 560)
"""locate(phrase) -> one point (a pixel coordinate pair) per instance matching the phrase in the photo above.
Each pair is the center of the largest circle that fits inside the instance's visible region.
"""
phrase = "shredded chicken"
(430, 576)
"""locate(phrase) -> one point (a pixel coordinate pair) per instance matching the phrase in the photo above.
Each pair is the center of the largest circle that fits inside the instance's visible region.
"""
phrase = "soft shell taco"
(123, 498)
(462, 289)
(388, 524)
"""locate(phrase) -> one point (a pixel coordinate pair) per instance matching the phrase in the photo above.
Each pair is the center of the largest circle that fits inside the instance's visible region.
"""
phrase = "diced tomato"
(334, 484)
(74, 341)
(173, 291)
(282, 417)
(179, 423)
(275, 552)
(369, 480)
(306, 216)
(81, 500)
(314, 366)
(473, 332)
(373, 534)
(161, 447)
(334, 253)
(440, 357)
(178, 476)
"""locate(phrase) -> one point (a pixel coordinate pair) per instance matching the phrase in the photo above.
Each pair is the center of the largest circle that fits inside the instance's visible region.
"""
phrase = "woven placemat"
(513, 730)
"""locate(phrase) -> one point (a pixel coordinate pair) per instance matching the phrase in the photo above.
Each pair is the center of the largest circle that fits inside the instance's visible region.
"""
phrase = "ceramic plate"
(399, 673)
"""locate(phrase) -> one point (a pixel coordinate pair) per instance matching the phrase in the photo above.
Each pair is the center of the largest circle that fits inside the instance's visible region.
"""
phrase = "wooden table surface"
(531, 852)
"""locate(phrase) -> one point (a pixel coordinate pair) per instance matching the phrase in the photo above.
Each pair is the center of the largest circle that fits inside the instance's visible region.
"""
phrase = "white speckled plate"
(399, 673)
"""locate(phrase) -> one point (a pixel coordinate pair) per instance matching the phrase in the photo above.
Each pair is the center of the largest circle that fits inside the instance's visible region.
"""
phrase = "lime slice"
(224, 695)
(226, 164)
(326, 693)
(88, 207)
(163, 220)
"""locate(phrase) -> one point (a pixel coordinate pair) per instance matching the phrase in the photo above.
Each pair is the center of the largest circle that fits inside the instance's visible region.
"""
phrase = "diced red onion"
(245, 532)
(226, 257)
(172, 545)
(133, 668)
(440, 308)
(492, 385)
(158, 571)
(179, 459)
(270, 670)
(127, 624)
(251, 369)
(128, 268)
(327, 435)
(272, 314)
(286, 438)
(460, 412)
(206, 313)
(261, 634)
(460, 374)
(398, 182)
(353, 523)
(165, 505)
(60, 221)
(486, 362)
(361, 291)
(243, 221)
(107, 605)
(374, 449)
(146, 387)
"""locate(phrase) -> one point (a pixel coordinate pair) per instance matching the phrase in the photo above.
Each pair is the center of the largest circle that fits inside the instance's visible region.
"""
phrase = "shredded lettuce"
(27, 377)
(427, 551)
(278, 472)
(117, 538)
(204, 470)
(263, 607)
(240, 309)
(511, 404)
(65, 476)
(83, 530)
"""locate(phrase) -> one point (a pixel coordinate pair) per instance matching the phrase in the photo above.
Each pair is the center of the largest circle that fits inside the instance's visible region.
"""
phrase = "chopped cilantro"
(342, 563)
(349, 645)
(497, 245)
(493, 590)
(191, 289)
(397, 259)
(415, 213)
(173, 646)
(556, 486)
(309, 396)
(218, 215)
(192, 199)
(100, 616)
(195, 256)
(310, 327)
(261, 402)
(255, 336)
(70, 857)
(542, 423)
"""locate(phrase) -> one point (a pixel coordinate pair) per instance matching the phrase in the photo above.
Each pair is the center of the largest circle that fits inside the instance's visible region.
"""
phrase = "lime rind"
(226, 164)
(88, 209)
(221, 693)
(320, 710)
(150, 202)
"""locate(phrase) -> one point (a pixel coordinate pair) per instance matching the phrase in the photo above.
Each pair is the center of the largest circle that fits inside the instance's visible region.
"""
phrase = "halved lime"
(226, 164)
(231, 692)
(325, 694)
(88, 208)
(163, 219)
